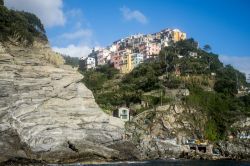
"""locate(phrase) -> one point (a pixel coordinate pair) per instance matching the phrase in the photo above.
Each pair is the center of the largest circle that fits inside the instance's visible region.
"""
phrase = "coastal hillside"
(182, 102)
(46, 114)
(212, 97)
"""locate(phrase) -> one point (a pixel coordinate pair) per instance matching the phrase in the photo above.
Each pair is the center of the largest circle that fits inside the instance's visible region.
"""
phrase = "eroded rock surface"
(47, 114)
(239, 147)
(163, 132)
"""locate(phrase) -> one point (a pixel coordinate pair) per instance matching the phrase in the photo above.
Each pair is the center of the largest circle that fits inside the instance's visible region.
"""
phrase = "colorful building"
(103, 56)
(127, 53)
(154, 48)
(177, 35)
(116, 60)
(126, 66)
(136, 59)
(148, 49)
(87, 63)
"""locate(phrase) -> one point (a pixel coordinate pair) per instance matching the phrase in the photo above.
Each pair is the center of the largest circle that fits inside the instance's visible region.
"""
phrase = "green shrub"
(108, 71)
(94, 80)
(144, 77)
(211, 132)
(72, 61)
(225, 86)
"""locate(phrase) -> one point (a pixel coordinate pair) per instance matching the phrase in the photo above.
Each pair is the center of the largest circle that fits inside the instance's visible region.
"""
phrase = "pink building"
(149, 49)
(103, 56)
(116, 60)
(153, 48)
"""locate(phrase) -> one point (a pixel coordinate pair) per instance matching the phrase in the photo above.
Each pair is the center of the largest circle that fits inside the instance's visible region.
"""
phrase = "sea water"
(169, 163)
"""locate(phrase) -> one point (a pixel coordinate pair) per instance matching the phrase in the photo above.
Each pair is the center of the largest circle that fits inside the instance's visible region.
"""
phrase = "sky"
(74, 27)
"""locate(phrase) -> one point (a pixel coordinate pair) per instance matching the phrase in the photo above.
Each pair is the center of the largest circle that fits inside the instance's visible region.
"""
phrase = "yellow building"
(126, 66)
(177, 35)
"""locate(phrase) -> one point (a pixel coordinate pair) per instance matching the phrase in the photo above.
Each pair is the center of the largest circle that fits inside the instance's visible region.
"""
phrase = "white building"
(113, 48)
(193, 54)
(123, 113)
(87, 63)
(136, 59)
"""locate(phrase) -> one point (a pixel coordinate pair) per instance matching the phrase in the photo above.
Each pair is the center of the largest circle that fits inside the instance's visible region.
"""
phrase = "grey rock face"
(47, 114)
(239, 147)
(162, 133)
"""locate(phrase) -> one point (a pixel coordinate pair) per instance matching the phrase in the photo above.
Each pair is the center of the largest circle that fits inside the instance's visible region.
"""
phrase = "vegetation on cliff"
(213, 87)
(20, 26)
(1, 2)
(72, 61)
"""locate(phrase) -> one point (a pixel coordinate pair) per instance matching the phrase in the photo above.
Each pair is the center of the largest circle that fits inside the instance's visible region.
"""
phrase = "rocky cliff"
(239, 146)
(163, 132)
(46, 113)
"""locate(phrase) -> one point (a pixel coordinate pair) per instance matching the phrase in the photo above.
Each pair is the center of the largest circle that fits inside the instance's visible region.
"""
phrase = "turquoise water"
(171, 163)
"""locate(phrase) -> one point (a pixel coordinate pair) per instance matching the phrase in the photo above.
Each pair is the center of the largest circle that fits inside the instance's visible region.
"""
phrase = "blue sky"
(75, 26)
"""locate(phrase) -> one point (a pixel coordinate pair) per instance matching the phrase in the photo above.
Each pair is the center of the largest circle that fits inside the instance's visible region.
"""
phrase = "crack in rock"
(72, 147)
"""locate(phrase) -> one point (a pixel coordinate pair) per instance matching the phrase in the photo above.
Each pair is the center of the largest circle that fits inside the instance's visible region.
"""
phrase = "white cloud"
(74, 13)
(78, 38)
(81, 33)
(241, 63)
(129, 14)
(49, 11)
(74, 50)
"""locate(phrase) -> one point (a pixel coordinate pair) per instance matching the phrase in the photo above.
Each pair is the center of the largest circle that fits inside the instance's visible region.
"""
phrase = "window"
(124, 117)
(124, 111)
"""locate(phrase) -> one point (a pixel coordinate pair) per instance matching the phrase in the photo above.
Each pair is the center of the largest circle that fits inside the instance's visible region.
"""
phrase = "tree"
(72, 61)
(226, 86)
(207, 48)
(21, 26)
(2, 2)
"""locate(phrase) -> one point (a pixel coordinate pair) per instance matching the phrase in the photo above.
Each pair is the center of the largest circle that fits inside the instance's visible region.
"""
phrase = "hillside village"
(174, 61)
(127, 53)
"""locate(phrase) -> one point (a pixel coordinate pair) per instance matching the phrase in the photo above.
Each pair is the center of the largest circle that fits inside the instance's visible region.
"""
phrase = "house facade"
(116, 60)
(136, 59)
(103, 56)
(153, 48)
(87, 63)
(123, 113)
(177, 35)
(126, 66)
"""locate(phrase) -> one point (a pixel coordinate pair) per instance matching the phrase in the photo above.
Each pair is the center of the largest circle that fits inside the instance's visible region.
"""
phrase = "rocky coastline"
(48, 116)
